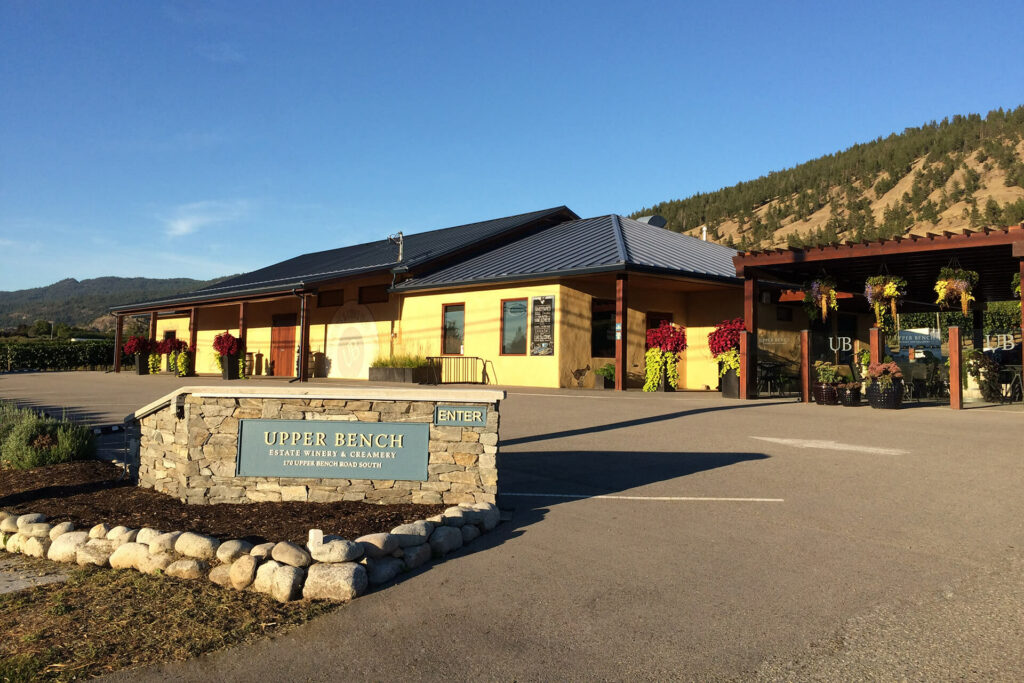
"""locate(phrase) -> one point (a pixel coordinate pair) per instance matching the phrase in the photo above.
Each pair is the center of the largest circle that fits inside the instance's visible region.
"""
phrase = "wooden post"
(242, 326)
(748, 360)
(805, 366)
(1021, 296)
(303, 340)
(152, 326)
(621, 325)
(875, 344)
(956, 387)
(118, 342)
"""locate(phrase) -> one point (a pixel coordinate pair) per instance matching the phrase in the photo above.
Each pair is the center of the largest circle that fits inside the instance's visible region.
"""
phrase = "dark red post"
(956, 388)
(118, 342)
(744, 365)
(748, 359)
(621, 323)
(152, 326)
(875, 344)
(805, 366)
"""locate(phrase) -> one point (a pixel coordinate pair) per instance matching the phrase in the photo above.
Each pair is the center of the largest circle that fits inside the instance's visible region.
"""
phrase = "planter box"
(889, 398)
(419, 375)
(229, 367)
(604, 383)
(730, 384)
(849, 397)
(142, 363)
(825, 394)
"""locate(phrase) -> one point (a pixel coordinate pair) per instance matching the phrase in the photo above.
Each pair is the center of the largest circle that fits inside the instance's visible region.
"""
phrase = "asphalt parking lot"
(686, 537)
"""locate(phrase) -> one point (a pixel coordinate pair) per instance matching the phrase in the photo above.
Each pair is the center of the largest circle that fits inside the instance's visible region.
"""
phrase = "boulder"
(415, 533)
(382, 569)
(378, 545)
(147, 534)
(199, 546)
(471, 515)
(34, 546)
(30, 518)
(101, 543)
(221, 575)
(243, 572)
(38, 530)
(291, 554)
(61, 529)
(445, 539)
(229, 551)
(264, 581)
(116, 532)
(286, 584)
(416, 555)
(129, 556)
(9, 525)
(262, 550)
(99, 531)
(490, 515)
(335, 581)
(336, 551)
(454, 516)
(65, 547)
(93, 555)
(187, 568)
(128, 536)
(470, 532)
(151, 564)
(14, 543)
(164, 543)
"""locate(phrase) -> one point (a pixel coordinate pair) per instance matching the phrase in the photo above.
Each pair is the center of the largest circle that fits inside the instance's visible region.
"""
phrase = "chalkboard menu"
(542, 326)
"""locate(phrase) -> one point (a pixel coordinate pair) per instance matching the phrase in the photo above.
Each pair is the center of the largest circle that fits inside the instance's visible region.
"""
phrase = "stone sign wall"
(188, 445)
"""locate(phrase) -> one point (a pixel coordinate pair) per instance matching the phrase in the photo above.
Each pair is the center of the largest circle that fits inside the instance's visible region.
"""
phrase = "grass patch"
(399, 361)
(104, 620)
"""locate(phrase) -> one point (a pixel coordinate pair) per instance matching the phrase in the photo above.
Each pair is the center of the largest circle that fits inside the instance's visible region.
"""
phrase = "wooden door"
(282, 345)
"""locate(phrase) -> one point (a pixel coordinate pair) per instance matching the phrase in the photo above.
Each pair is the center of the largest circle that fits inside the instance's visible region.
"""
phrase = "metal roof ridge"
(620, 240)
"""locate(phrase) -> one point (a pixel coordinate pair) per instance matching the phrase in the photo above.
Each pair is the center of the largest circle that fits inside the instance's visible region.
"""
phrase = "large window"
(454, 329)
(513, 327)
(602, 328)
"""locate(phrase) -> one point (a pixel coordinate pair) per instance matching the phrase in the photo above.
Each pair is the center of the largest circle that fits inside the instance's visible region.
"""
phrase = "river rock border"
(326, 568)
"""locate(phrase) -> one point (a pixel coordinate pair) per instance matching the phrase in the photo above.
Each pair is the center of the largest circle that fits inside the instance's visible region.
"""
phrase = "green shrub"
(400, 361)
(10, 415)
(56, 355)
(38, 440)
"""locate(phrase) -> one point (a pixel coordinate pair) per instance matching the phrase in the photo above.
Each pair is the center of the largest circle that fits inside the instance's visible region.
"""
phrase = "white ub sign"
(999, 341)
(837, 344)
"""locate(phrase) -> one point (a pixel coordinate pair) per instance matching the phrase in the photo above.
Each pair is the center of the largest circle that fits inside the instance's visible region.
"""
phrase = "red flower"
(725, 336)
(225, 344)
(667, 337)
(135, 345)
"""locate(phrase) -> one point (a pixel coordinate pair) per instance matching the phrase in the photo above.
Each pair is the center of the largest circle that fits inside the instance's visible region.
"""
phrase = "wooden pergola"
(995, 253)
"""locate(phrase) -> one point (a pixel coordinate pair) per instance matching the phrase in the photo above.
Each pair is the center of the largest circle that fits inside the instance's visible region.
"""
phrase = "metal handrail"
(457, 369)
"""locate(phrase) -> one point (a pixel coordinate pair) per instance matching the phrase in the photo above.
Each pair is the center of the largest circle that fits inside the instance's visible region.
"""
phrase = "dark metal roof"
(421, 249)
(590, 245)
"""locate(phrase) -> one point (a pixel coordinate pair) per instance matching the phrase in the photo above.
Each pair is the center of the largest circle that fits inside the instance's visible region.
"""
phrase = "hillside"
(957, 174)
(84, 303)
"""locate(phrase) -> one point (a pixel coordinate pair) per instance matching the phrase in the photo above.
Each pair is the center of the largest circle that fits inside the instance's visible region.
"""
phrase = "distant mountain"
(84, 303)
(958, 174)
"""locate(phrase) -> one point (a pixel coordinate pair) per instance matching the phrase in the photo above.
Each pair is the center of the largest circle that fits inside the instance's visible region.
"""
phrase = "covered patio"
(995, 254)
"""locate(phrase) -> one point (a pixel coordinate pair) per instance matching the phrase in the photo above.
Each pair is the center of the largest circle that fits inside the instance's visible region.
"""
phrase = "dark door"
(282, 345)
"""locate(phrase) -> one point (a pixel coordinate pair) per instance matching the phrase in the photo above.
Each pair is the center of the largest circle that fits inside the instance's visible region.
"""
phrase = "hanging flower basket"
(884, 291)
(820, 297)
(955, 285)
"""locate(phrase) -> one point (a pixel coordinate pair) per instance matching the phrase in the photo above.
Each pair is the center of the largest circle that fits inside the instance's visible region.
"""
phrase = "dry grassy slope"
(951, 219)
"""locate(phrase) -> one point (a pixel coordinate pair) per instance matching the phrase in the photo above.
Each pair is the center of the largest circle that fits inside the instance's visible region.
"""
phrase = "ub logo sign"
(837, 344)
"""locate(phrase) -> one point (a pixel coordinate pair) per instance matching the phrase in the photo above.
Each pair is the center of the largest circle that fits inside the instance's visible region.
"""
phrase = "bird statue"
(579, 374)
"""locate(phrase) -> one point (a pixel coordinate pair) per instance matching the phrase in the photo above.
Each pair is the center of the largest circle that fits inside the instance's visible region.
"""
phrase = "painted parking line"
(673, 498)
(831, 445)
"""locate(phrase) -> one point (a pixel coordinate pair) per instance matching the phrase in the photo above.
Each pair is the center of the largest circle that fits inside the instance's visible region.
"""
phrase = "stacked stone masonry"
(193, 457)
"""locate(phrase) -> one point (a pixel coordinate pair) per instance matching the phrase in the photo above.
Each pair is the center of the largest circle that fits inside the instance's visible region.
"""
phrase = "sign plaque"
(460, 416)
(542, 326)
(329, 449)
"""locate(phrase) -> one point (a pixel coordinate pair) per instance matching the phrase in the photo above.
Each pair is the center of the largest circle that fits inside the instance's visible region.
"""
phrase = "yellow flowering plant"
(884, 291)
(956, 285)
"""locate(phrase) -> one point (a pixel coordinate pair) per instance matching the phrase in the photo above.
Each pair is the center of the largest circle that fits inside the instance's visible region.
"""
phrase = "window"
(513, 327)
(654, 320)
(332, 297)
(373, 294)
(602, 328)
(454, 329)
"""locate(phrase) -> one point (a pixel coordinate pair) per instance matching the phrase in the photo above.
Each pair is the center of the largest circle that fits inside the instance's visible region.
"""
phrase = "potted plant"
(884, 291)
(724, 343)
(604, 376)
(139, 348)
(955, 285)
(820, 297)
(849, 393)
(664, 344)
(408, 369)
(184, 360)
(824, 390)
(227, 347)
(884, 387)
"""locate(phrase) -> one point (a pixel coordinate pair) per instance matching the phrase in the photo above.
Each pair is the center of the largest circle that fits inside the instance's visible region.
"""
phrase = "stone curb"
(287, 572)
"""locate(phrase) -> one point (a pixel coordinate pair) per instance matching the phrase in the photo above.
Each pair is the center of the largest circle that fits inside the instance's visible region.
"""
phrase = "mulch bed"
(89, 492)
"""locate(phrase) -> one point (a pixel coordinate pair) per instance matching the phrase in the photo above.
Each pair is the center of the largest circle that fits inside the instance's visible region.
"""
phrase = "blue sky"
(197, 139)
